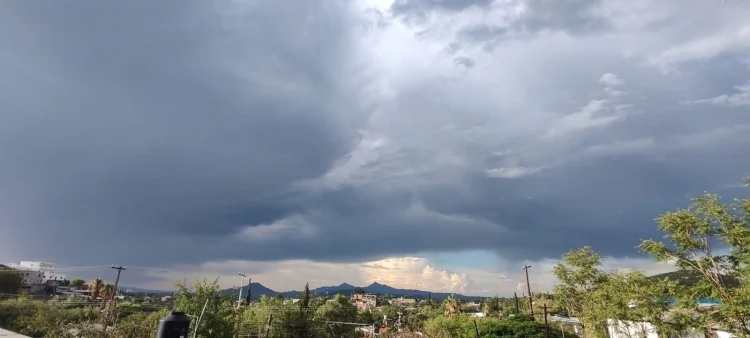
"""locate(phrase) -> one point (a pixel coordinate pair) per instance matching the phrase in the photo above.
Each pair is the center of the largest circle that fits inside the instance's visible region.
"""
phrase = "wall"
(628, 329)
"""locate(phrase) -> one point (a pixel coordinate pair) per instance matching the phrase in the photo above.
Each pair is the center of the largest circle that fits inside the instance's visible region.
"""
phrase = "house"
(403, 301)
(364, 301)
(291, 301)
(627, 329)
(568, 323)
(35, 273)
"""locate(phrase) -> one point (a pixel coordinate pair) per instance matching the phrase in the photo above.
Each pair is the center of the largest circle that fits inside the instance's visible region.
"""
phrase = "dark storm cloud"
(141, 119)
(155, 134)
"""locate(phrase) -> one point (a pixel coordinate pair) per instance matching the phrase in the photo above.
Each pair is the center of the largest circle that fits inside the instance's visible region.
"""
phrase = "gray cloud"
(271, 130)
(421, 7)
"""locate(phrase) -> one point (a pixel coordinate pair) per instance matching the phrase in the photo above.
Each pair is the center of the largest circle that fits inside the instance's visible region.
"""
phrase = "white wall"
(31, 277)
(628, 329)
(36, 272)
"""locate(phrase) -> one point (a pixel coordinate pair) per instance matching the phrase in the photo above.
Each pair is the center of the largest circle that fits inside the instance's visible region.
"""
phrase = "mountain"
(348, 289)
(691, 278)
(142, 290)
(256, 290)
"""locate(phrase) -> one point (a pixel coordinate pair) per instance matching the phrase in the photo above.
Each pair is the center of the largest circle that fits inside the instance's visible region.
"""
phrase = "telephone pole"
(528, 288)
(242, 284)
(119, 269)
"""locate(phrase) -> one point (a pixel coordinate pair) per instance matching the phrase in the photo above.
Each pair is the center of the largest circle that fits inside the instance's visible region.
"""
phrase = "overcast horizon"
(435, 145)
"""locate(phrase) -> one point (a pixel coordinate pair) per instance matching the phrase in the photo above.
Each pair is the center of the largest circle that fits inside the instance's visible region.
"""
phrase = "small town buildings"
(37, 272)
(401, 301)
(568, 323)
(364, 301)
(37, 277)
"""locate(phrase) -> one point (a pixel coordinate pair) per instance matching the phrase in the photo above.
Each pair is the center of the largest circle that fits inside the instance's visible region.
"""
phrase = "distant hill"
(141, 290)
(258, 290)
(691, 278)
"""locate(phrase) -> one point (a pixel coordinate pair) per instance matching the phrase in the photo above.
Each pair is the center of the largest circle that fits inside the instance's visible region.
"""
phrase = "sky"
(433, 144)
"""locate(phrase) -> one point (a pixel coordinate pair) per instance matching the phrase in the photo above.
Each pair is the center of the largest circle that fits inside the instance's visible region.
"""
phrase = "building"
(364, 301)
(403, 301)
(37, 273)
(568, 323)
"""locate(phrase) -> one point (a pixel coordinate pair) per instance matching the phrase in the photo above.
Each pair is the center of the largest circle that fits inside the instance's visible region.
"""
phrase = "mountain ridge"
(258, 290)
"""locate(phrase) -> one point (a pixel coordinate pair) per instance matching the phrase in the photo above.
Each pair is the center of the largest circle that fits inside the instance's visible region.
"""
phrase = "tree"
(77, 282)
(108, 292)
(451, 306)
(579, 277)
(305, 301)
(490, 306)
(218, 319)
(10, 280)
(96, 287)
(635, 299)
(333, 314)
(692, 237)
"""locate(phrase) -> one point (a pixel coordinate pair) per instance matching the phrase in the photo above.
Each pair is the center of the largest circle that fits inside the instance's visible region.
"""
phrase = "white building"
(403, 301)
(35, 273)
(627, 329)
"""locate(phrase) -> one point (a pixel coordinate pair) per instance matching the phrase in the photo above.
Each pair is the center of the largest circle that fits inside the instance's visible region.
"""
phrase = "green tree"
(451, 306)
(77, 282)
(219, 318)
(333, 314)
(491, 306)
(692, 237)
(305, 301)
(579, 275)
(108, 292)
(520, 326)
(96, 288)
(633, 298)
(10, 280)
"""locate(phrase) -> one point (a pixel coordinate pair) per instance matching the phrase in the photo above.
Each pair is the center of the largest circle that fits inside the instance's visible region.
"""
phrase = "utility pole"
(119, 269)
(528, 287)
(239, 300)
(546, 325)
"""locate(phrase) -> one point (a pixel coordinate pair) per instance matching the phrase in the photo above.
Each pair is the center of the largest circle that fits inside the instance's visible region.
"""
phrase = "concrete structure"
(364, 301)
(403, 301)
(10, 334)
(36, 273)
(627, 329)
(568, 323)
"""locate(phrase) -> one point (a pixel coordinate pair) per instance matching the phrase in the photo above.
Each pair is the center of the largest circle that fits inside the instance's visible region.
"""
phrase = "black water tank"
(175, 325)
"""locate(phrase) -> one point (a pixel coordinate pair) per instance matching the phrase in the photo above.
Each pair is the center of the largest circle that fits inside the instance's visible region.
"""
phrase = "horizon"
(423, 144)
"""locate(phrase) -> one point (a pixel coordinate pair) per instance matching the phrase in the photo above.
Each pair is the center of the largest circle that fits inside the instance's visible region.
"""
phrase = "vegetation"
(693, 238)
(709, 243)
(76, 282)
(9, 282)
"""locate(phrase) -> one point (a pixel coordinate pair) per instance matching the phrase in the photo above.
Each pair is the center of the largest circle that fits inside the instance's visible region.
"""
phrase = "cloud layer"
(344, 132)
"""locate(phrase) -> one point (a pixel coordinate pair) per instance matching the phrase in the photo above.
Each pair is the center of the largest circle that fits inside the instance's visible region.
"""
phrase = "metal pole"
(198, 323)
(239, 300)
